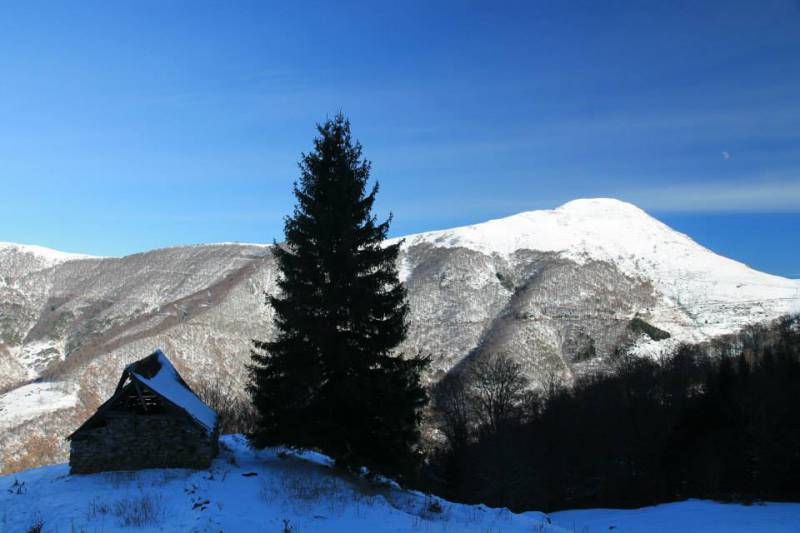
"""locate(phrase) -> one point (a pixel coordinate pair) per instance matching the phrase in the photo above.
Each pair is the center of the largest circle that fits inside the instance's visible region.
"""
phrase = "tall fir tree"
(330, 379)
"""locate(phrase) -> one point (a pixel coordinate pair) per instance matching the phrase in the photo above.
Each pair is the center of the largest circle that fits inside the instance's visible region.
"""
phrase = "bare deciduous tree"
(452, 405)
(497, 391)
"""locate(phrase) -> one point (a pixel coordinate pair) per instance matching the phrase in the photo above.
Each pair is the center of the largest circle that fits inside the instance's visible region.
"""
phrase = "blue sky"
(126, 126)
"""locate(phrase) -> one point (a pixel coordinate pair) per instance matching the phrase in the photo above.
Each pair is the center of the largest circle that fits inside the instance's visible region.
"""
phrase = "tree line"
(701, 423)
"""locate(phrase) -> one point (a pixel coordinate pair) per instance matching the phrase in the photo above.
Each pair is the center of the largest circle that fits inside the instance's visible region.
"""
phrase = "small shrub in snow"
(138, 511)
(231, 458)
(431, 510)
(18, 487)
(310, 488)
(97, 509)
(75, 529)
(120, 478)
(37, 526)
(171, 474)
(302, 494)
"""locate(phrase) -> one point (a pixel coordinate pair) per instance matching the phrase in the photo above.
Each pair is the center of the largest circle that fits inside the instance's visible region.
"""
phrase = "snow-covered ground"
(687, 517)
(35, 399)
(242, 491)
(268, 491)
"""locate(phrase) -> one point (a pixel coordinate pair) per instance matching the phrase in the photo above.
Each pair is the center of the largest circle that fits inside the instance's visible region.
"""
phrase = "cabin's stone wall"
(130, 441)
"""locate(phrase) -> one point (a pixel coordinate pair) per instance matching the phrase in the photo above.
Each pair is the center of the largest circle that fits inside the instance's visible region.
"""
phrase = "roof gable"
(157, 373)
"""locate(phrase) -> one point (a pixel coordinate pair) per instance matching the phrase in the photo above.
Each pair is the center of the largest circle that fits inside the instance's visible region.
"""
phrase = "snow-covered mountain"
(559, 287)
(560, 290)
(34, 257)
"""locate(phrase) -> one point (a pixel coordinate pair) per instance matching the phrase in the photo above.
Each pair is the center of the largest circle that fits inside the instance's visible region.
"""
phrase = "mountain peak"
(48, 255)
(613, 231)
(595, 206)
(595, 227)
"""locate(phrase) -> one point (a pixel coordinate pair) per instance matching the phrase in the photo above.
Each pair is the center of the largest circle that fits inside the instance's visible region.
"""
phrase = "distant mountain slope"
(561, 290)
(552, 285)
(36, 257)
(714, 289)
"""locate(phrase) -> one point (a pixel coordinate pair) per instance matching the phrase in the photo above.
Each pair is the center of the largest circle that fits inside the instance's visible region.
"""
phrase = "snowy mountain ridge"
(609, 230)
(602, 229)
(48, 255)
(561, 291)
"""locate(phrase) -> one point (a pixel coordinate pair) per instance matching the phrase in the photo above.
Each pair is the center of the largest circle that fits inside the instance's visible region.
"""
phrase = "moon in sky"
(726, 155)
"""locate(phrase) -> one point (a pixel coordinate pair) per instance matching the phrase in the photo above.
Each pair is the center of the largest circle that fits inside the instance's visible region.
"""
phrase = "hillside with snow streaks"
(560, 290)
(713, 289)
(44, 257)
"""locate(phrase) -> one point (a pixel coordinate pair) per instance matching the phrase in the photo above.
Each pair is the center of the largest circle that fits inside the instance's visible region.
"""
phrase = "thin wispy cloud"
(775, 194)
(759, 195)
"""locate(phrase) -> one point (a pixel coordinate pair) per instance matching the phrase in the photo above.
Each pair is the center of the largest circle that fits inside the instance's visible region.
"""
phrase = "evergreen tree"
(329, 380)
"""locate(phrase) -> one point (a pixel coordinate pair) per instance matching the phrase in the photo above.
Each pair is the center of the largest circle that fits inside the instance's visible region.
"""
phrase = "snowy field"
(243, 491)
(271, 492)
(692, 516)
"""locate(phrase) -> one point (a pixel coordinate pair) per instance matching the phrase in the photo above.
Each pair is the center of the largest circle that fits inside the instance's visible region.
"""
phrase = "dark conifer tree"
(330, 379)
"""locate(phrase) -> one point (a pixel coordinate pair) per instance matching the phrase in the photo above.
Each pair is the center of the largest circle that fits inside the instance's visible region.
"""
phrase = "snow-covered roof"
(157, 373)
(167, 383)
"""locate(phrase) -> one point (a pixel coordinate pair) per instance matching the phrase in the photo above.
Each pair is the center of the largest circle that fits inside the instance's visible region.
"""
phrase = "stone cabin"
(153, 420)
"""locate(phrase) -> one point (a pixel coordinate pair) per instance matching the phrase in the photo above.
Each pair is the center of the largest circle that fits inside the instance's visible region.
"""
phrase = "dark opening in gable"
(148, 367)
(139, 399)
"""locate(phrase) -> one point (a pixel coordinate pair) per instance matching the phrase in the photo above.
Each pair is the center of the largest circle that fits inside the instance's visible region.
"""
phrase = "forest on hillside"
(718, 420)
